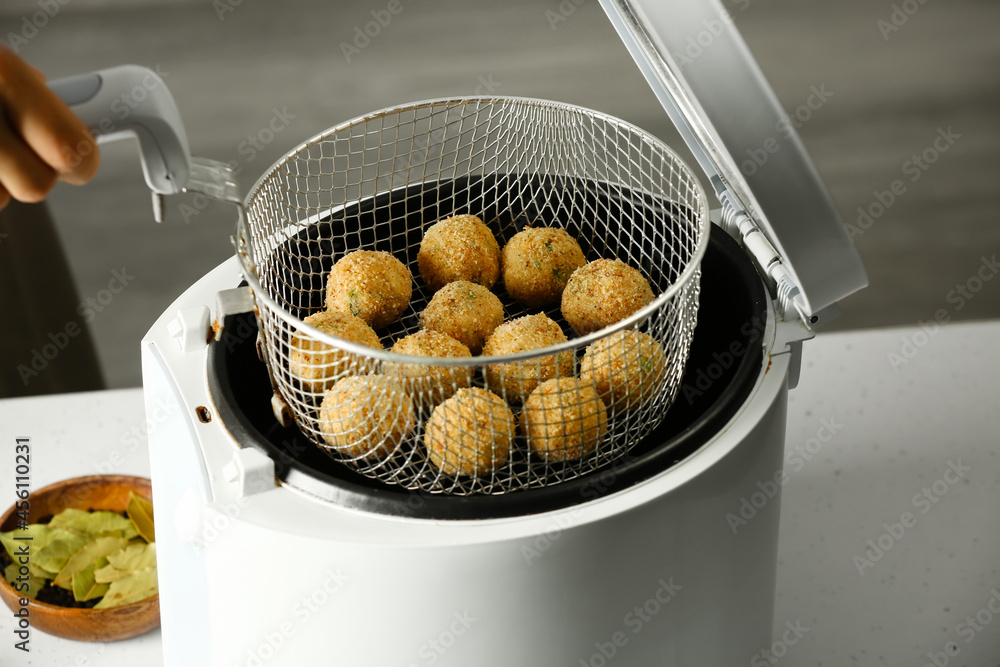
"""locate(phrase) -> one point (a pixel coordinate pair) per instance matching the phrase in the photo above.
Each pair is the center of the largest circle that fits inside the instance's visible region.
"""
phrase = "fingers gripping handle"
(133, 101)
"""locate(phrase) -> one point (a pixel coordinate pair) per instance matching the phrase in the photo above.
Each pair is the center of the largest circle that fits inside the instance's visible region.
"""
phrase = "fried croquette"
(318, 365)
(428, 384)
(537, 263)
(564, 419)
(371, 285)
(366, 416)
(627, 368)
(602, 293)
(516, 380)
(465, 311)
(461, 247)
(470, 433)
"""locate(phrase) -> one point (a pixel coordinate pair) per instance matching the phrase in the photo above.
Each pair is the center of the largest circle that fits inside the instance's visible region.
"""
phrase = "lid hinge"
(741, 226)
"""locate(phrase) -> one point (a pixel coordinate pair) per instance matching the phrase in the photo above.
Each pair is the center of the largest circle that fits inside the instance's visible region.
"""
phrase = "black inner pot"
(725, 358)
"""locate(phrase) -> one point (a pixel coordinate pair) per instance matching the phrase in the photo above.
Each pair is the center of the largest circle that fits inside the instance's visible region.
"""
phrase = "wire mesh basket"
(475, 424)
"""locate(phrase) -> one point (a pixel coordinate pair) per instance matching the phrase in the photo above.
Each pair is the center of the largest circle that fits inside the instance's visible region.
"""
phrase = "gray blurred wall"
(892, 92)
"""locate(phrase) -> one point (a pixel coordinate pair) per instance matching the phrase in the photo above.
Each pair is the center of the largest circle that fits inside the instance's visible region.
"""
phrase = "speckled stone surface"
(927, 418)
(865, 438)
(73, 435)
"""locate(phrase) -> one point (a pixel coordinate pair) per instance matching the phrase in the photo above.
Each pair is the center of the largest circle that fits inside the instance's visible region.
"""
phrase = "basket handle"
(133, 101)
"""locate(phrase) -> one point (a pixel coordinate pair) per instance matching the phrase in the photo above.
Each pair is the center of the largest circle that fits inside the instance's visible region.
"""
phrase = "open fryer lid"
(702, 72)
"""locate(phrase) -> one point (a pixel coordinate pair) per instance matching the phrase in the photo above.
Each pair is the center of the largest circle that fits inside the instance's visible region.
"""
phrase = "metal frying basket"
(377, 183)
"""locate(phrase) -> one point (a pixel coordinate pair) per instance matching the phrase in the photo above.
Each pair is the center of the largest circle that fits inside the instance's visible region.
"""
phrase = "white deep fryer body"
(653, 575)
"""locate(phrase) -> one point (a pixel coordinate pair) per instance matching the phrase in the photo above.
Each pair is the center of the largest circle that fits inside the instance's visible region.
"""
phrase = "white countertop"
(73, 435)
(898, 430)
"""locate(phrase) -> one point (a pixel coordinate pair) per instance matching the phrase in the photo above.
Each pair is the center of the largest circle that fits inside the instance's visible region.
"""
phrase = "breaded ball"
(602, 293)
(371, 285)
(318, 365)
(518, 379)
(564, 419)
(426, 384)
(537, 263)
(366, 416)
(470, 433)
(461, 247)
(465, 311)
(627, 368)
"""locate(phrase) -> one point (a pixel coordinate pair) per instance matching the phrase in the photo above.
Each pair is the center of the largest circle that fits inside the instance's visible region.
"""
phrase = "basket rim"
(683, 281)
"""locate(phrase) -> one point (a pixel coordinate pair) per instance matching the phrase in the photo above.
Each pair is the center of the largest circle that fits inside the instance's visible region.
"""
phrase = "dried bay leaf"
(132, 559)
(63, 544)
(136, 586)
(135, 557)
(85, 587)
(35, 583)
(38, 532)
(94, 523)
(76, 546)
(88, 555)
(140, 511)
(108, 574)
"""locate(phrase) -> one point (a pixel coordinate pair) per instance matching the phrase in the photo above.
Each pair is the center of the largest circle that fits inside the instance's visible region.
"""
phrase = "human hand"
(41, 140)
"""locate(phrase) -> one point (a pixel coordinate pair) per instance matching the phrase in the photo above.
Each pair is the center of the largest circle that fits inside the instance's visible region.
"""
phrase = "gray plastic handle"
(129, 101)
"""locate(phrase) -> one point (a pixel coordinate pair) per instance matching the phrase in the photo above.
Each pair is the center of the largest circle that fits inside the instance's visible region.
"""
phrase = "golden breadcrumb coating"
(318, 365)
(627, 368)
(602, 293)
(366, 416)
(516, 380)
(564, 419)
(427, 384)
(371, 285)
(537, 263)
(465, 311)
(461, 247)
(470, 433)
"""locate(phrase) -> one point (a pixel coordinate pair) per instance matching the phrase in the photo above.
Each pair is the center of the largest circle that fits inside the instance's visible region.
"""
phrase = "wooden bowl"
(99, 492)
